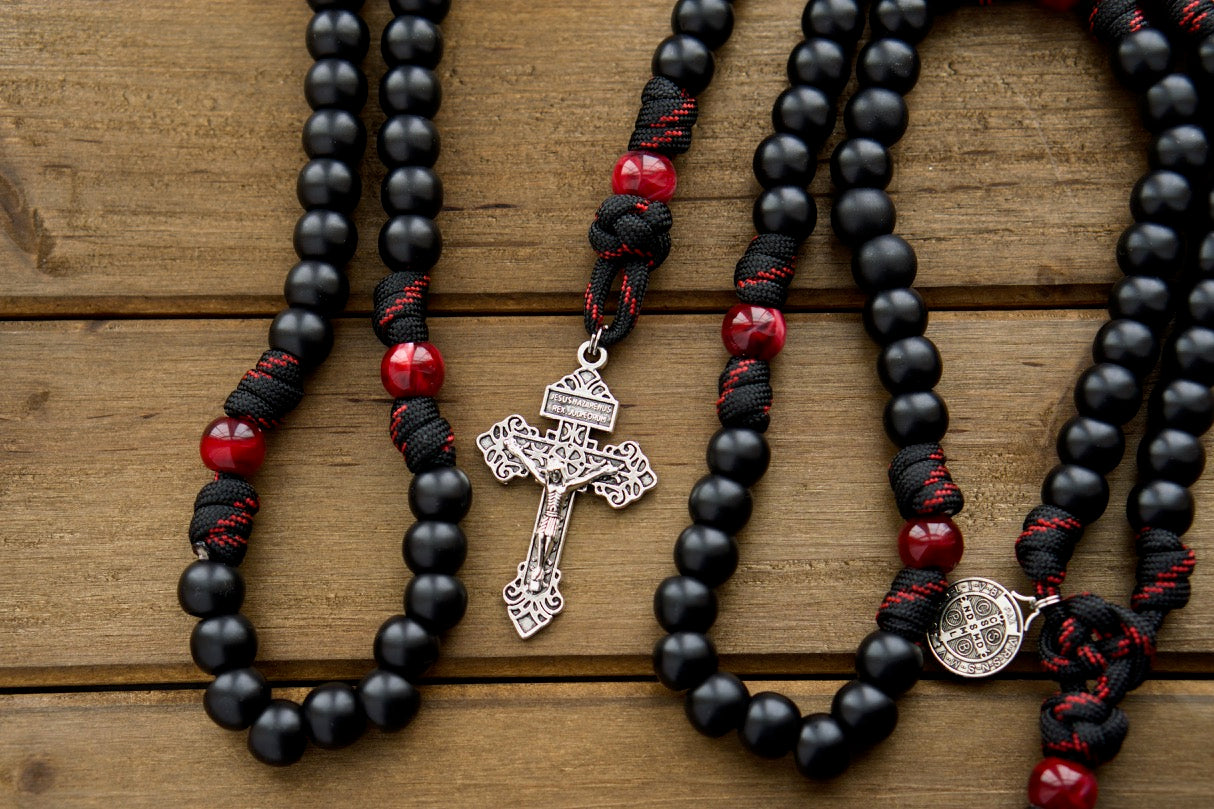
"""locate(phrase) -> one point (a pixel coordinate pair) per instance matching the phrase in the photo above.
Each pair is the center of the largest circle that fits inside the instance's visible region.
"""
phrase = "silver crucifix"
(565, 461)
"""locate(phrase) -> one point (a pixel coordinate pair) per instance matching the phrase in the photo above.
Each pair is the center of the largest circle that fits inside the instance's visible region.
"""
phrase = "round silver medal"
(981, 626)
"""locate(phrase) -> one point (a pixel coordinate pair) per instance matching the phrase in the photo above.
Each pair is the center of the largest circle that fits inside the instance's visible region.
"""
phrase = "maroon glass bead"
(232, 445)
(1056, 783)
(644, 174)
(930, 542)
(753, 331)
(412, 369)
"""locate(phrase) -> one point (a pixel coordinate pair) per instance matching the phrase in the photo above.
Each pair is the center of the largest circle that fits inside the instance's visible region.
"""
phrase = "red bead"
(232, 445)
(1060, 784)
(412, 369)
(930, 542)
(753, 331)
(645, 174)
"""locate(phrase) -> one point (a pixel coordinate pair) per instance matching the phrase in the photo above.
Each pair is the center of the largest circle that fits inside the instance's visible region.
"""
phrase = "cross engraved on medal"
(564, 460)
(981, 626)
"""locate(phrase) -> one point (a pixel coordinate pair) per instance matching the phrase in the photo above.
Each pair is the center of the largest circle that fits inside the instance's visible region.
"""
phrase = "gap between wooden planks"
(98, 445)
(149, 153)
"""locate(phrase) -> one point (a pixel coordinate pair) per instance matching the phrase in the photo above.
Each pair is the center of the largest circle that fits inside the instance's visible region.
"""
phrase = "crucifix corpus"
(564, 460)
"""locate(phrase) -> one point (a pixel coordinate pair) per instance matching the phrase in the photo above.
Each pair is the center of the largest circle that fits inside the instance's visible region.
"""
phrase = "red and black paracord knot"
(1111, 20)
(1099, 652)
(1045, 545)
(400, 308)
(268, 391)
(1164, 567)
(765, 270)
(223, 519)
(914, 600)
(922, 484)
(665, 120)
(1194, 17)
(631, 236)
(421, 434)
(744, 394)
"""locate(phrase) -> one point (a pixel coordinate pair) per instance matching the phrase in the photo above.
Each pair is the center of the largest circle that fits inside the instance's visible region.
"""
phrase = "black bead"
(1160, 504)
(1089, 442)
(410, 243)
(683, 660)
(434, 547)
(305, 334)
(1108, 392)
(335, 83)
(326, 235)
(788, 210)
(890, 662)
(1173, 455)
(412, 190)
(894, 314)
(821, 750)
(235, 698)
(866, 714)
(1204, 61)
(686, 61)
(412, 40)
(223, 642)
(1171, 101)
(1128, 343)
(876, 113)
(739, 454)
(1191, 355)
(886, 262)
(771, 725)
(719, 502)
(684, 604)
(1078, 490)
(840, 20)
(1164, 197)
(783, 159)
(389, 700)
(717, 705)
(434, 10)
(278, 736)
(806, 112)
(410, 90)
(210, 588)
(1142, 58)
(333, 717)
(408, 140)
(443, 493)
(920, 417)
(710, 21)
(707, 554)
(340, 33)
(908, 365)
(328, 183)
(1205, 255)
(336, 134)
(908, 20)
(821, 63)
(860, 163)
(405, 646)
(1184, 148)
(1184, 405)
(861, 214)
(1144, 298)
(436, 601)
(322, 5)
(316, 285)
(1201, 303)
(1149, 249)
(889, 63)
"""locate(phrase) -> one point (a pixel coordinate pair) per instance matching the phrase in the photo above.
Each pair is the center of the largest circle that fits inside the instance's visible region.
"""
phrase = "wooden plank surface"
(148, 154)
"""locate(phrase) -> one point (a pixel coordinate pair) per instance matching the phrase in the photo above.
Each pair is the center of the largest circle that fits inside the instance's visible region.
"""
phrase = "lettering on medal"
(583, 409)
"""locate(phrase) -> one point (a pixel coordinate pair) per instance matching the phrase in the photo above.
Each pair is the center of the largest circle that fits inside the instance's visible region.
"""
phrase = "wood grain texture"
(578, 745)
(148, 153)
(101, 470)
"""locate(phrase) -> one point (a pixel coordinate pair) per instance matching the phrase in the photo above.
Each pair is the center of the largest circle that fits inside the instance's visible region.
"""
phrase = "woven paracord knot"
(1079, 726)
(664, 123)
(1194, 17)
(223, 519)
(1087, 638)
(1112, 20)
(422, 435)
(268, 391)
(631, 236)
(922, 484)
(745, 394)
(1164, 566)
(765, 270)
(914, 600)
(1045, 546)
(400, 308)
